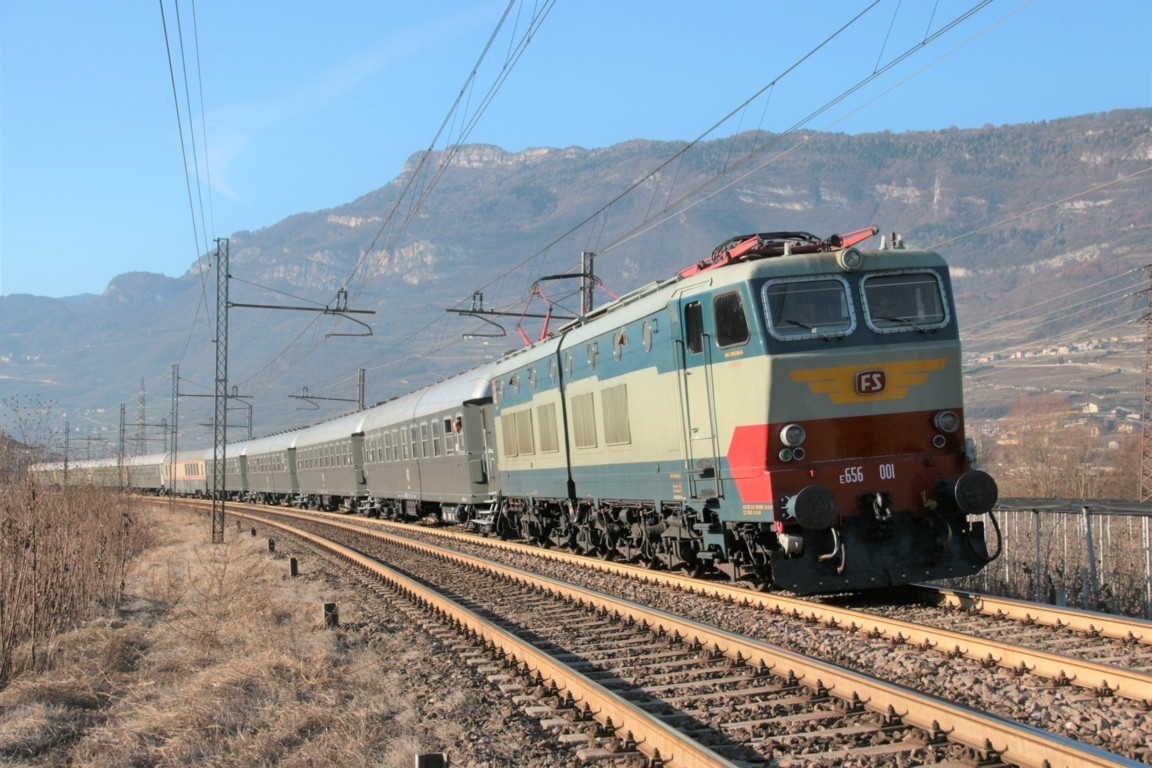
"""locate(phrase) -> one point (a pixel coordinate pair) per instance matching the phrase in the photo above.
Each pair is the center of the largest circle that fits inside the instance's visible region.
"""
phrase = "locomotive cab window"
(694, 327)
(808, 308)
(904, 301)
(731, 322)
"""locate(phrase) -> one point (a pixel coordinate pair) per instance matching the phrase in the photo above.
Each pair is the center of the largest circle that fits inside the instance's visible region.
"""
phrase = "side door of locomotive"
(692, 337)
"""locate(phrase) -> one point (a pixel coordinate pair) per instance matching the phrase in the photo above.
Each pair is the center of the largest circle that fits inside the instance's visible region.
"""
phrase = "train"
(787, 412)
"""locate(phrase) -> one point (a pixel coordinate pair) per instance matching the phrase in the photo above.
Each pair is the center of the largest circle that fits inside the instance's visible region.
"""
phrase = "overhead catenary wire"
(601, 213)
(695, 196)
(415, 174)
(415, 200)
(1064, 310)
(671, 210)
(417, 187)
(197, 217)
(645, 225)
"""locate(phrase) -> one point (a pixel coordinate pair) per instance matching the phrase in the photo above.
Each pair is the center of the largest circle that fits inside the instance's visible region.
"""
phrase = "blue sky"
(308, 104)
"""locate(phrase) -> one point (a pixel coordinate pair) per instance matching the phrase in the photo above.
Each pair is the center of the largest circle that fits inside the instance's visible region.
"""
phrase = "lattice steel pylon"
(141, 412)
(175, 431)
(220, 421)
(1145, 492)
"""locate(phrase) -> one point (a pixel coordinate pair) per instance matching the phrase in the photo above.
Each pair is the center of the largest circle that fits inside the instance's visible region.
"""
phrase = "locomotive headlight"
(850, 259)
(793, 435)
(946, 422)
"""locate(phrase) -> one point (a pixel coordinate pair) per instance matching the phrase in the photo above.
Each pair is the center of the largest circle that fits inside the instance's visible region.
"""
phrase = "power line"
(664, 212)
(1038, 208)
(416, 178)
(418, 186)
(1020, 318)
(600, 213)
(1001, 319)
(196, 227)
(415, 201)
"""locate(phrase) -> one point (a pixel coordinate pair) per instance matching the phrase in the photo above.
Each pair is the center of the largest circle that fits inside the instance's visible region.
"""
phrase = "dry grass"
(218, 658)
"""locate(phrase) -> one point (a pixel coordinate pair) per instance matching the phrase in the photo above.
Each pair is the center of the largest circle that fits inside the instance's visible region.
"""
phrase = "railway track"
(750, 698)
(969, 626)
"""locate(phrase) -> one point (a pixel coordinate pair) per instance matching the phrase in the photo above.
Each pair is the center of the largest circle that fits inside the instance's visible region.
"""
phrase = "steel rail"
(1013, 742)
(1090, 622)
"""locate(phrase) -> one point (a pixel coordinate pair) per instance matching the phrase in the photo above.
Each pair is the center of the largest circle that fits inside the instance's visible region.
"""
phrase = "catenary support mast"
(220, 420)
(1145, 490)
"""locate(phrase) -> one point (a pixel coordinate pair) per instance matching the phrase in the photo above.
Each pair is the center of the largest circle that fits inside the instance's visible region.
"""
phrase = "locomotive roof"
(655, 296)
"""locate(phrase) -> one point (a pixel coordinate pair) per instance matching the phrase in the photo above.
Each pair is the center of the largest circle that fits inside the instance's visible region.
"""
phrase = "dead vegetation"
(217, 657)
(63, 558)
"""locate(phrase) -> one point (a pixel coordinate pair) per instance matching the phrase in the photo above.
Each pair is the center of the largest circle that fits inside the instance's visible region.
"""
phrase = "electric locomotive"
(788, 411)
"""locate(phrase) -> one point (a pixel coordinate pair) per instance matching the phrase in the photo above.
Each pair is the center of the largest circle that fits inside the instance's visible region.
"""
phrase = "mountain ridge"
(1069, 219)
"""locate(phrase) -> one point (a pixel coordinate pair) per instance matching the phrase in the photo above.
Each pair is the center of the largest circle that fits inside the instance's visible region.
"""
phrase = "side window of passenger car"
(731, 322)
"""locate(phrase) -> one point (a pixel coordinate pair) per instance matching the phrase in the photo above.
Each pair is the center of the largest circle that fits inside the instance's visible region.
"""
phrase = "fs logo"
(869, 382)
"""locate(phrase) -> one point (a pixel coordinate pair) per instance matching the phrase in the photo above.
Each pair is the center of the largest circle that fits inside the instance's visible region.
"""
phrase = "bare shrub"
(1051, 451)
(64, 553)
(1046, 557)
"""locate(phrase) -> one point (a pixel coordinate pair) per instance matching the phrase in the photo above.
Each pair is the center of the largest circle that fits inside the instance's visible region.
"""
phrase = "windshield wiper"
(905, 320)
(812, 328)
(789, 321)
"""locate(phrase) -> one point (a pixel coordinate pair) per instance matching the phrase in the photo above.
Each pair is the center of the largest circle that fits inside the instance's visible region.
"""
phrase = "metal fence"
(1095, 555)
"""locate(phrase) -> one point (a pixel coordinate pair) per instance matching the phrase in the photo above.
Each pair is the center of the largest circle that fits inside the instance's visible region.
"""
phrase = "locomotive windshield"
(806, 308)
(904, 301)
(825, 307)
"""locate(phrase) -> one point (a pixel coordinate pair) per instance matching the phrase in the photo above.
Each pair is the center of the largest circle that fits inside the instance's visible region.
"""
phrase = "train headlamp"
(946, 422)
(792, 435)
(850, 259)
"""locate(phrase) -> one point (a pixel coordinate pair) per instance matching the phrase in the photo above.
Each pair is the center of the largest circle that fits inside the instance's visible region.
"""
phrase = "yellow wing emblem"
(856, 384)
